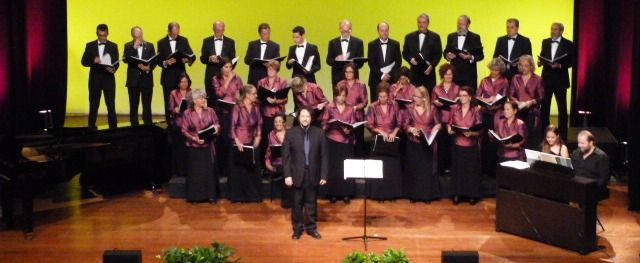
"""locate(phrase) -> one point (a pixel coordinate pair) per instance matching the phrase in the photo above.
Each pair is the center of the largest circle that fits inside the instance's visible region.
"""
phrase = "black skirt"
(202, 182)
(445, 144)
(222, 143)
(244, 182)
(489, 148)
(421, 181)
(466, 177)
(390, 187)
(336, 185)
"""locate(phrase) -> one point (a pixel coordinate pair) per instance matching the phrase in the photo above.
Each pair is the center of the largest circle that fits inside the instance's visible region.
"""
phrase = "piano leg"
(21, 187)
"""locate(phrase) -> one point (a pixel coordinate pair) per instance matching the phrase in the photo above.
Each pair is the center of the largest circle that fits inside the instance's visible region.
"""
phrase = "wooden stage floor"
(79, 230)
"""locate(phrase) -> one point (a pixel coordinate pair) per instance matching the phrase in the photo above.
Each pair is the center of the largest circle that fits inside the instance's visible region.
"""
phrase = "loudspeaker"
(460, 257)
(122, 256)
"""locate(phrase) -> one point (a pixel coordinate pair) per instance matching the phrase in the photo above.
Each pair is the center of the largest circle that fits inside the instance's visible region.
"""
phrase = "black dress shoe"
(456, 200)
(347, 200)
(473, 201)
(333, 199)
(296, 235)
(213, 201)
(314, 234)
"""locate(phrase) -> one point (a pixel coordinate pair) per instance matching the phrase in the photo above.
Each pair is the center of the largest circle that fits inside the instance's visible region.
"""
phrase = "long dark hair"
(225, 60)
(546, 147)
(180, 77)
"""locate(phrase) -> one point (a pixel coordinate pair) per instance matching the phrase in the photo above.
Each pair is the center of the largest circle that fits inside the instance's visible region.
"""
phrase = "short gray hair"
(197, 94)
(497, 63)
(528, 58)
(423, 15)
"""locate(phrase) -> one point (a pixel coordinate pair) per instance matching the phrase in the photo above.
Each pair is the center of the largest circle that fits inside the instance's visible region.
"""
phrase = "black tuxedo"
(139, 82)
(170, 74)
(556, 81)
(100, 80)
(466, 70)
(431, 51)
(258, 72)
(305, 178)
(355, 50)
(310, 50)
(228, 50)
(377, 61)
(522, 46)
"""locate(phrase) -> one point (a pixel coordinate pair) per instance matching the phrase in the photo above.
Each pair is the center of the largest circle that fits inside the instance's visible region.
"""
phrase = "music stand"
(363, 169)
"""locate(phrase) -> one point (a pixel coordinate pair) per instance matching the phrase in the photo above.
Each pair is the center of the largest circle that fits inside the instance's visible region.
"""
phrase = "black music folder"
(386, 148)
(244, 157)
(207, 134)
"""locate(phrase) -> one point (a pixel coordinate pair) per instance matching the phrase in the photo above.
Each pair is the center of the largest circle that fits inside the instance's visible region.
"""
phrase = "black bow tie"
(217, 39)
(101, 44)
(300, 45)
(421, 33)
(172, 40)
(383, 43)
(512, 38)
(263, 43)
(555, 41)
(345, 40)
(462, 34)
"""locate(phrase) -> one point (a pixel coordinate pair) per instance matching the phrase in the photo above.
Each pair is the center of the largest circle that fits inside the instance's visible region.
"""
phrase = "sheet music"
(309, 63)
(520, 165)
(106, 59)
(358, 168)
(386, 69)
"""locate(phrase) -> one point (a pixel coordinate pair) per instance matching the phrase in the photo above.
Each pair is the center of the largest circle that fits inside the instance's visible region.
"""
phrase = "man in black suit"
(139, 75)
(382, 52)
(555, 75)
(300, 54)
(263, 49)
(214, 49)
(344, 47)
(171, 67)
(428, 44)
(99, 56)
(306, 161)
(511, 47)
(464, 50)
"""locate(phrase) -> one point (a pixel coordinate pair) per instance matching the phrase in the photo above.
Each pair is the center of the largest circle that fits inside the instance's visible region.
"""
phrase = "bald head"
(383, 30)
(345, 28)
(218, 28)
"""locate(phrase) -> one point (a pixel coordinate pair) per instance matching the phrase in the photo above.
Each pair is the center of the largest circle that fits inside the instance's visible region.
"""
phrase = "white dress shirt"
(554, 47)
(140, 51)
(510, 43)
(421, 40)
(384, 48)
(101, 49)
(172, 43)
(345, 46)
(263, 48)
(218, 45)
(300, 51)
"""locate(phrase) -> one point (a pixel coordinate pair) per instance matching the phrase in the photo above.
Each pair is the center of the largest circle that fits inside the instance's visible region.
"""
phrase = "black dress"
(421, 180)
(202, 182)
(336, 185)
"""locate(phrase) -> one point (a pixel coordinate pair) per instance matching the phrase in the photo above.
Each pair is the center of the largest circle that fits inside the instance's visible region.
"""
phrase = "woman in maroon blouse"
(226, 84)
(274, 83)
(403, 89)
(421, 178)
(508, 126)
(488, 89)
(465, 161)
(340, 142)
(384, 119)
(307, 94)
(202, 180)
(357, 97)
(246, 122)
(178, 150)
(449, 90)
(274, 164)
(528, 92)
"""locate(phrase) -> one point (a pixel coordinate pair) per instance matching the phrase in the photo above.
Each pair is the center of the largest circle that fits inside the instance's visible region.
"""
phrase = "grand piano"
(107, 161)
(545, 202)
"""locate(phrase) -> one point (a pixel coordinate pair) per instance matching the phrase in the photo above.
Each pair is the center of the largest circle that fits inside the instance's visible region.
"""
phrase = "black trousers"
(166, 93)
(135, 93)
(561, 99)
(305, 200)
(98, 84)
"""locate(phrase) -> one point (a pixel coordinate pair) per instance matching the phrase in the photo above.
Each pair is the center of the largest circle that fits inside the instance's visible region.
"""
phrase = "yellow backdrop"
(320, 19)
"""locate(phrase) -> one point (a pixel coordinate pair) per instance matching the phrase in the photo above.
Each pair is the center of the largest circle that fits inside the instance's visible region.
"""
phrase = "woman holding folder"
(357, 97)
(511, 149)
(465, 125)
(402, 91)
(490, 89)
(202, 181)
(308, 95)
(246, 121)
(271, 106)
(273, 155)
(421, 121)
(226, 84)
(528, 92)
(178, 103)
(340, 138)
(441, 96)
(384, 122)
